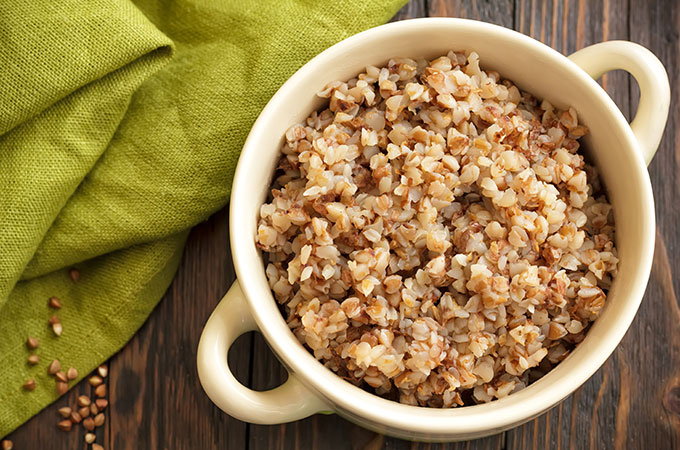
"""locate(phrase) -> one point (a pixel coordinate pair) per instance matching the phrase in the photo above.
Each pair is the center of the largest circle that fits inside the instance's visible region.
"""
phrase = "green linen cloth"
(120, 127)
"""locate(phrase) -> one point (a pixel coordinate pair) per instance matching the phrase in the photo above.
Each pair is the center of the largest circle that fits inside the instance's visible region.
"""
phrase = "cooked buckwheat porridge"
(434, 236)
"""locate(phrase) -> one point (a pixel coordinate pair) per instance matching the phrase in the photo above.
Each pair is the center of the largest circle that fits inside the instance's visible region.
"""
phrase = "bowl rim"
(343, 396)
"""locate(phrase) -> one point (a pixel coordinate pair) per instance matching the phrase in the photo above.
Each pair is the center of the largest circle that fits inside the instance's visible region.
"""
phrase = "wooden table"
(633, 401)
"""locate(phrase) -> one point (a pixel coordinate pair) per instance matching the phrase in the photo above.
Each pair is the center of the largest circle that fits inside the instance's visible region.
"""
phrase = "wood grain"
(632, 402)
(156, 399)
(587, 419)
(411, 10)
(499, 12)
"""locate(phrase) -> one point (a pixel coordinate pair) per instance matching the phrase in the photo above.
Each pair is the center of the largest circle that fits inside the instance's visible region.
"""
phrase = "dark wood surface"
(633, 401)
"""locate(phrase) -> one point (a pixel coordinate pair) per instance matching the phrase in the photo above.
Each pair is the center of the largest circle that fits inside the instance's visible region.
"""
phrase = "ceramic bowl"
(620, 151)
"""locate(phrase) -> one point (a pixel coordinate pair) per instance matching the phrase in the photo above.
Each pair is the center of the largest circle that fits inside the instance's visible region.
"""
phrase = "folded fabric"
(120, 127)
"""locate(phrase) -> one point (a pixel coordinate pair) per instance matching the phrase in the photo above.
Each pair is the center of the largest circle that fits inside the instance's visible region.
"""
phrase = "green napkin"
(120, 128)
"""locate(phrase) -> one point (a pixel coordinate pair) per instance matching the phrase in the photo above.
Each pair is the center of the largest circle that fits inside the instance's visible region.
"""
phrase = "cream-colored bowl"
(619, 150)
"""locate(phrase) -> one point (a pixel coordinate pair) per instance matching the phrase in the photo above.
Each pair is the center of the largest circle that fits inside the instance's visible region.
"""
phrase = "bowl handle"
(286, 403)
(655, 94)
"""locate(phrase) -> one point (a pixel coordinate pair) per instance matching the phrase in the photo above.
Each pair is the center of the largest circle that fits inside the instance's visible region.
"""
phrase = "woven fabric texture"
(120, 127)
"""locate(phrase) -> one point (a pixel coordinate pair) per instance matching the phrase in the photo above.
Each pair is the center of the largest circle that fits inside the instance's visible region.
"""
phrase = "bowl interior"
(534, 68)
